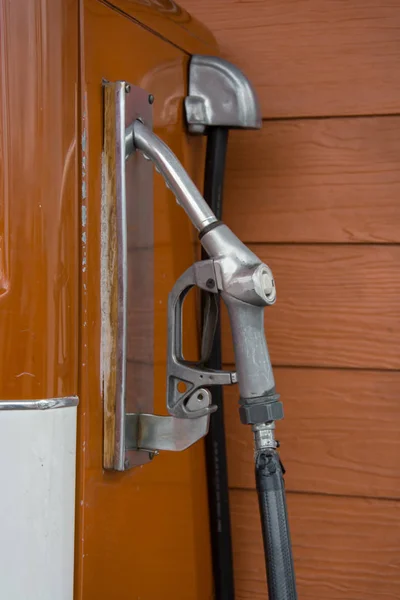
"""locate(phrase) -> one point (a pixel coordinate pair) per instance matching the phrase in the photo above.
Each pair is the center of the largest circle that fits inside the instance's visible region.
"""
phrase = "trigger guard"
(194, 375)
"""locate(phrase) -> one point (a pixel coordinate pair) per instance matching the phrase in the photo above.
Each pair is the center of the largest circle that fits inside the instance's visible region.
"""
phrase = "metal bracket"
(132, 434)
(153, 432)
(220, 95)
(127, 273)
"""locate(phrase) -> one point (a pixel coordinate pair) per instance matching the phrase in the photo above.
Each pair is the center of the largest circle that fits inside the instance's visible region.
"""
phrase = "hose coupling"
(264, 436)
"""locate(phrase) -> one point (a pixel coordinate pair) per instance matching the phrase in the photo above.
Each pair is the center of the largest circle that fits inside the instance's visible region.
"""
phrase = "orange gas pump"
(96, 257)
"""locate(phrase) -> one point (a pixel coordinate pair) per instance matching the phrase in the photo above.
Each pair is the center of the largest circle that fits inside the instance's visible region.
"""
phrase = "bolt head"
(127, 88)
(210, 283)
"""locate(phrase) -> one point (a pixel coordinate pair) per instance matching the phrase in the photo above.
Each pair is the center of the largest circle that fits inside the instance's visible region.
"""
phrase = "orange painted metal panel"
(169, 20)
(142, 533)
(38, 199)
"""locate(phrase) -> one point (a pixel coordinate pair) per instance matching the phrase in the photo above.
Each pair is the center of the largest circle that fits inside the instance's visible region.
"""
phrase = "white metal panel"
(37, 503)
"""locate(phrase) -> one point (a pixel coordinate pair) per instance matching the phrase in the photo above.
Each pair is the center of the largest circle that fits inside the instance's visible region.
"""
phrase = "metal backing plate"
(127, 283)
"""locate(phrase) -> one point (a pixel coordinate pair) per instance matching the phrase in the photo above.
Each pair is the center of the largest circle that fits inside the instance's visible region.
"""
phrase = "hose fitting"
(264, 436)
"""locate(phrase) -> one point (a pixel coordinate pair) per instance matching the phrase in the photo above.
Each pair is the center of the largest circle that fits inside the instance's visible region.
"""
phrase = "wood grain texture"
(109, 288)
(340, 434)
(347, 549)
(323, 180)
(311, 57)
(336, 306)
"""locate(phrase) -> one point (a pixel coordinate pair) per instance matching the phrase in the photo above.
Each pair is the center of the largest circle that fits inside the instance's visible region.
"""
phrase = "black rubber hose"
(216, 461)
(275, 526)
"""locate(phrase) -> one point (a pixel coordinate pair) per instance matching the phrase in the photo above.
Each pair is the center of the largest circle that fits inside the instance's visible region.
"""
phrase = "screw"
(127, 88)
(210, 283)
(151, 98)
(153, 454)
(200, 397)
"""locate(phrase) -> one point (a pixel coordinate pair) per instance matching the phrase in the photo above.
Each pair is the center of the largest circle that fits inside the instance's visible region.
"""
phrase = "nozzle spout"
(141, 138)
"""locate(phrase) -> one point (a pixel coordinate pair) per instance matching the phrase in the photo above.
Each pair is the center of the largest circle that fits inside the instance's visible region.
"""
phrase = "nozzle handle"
(253, 363)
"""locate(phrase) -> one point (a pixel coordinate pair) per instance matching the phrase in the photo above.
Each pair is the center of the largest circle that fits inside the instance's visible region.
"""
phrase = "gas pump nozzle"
(246, 286)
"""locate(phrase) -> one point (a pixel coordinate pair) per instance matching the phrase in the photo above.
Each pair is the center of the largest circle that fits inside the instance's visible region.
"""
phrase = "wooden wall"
(316, 194)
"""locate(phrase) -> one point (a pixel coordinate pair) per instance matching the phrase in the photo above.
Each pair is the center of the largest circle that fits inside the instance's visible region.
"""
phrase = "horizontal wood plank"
(323, 180)
(347, 549)
(311, 57)
(340, 434)
(337, 306)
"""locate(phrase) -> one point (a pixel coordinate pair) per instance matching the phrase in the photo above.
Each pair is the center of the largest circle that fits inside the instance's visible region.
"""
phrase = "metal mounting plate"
(127, 280)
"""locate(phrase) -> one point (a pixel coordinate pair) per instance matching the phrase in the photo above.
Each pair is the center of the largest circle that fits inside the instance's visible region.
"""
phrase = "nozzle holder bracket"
(220, 95)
